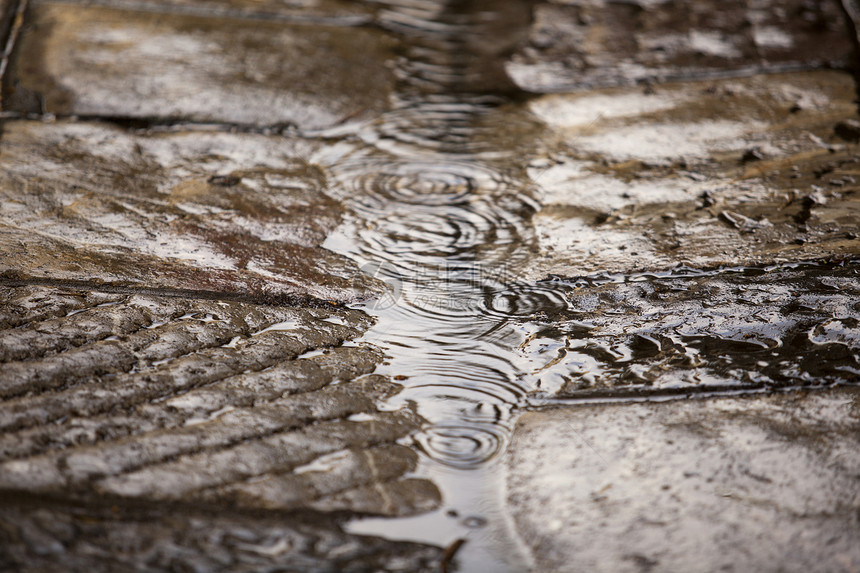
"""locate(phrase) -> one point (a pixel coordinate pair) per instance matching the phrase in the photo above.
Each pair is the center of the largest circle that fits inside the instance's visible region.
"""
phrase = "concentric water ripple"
(376, 181)
(422, 217)
(523, 301)
(457, 128)
(462, 447)
(445, 234)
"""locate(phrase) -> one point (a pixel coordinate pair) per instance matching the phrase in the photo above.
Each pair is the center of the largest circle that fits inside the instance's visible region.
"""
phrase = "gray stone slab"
(744, 484)
(237, 214)
(722, 172)
(576, 44)
(101, 61)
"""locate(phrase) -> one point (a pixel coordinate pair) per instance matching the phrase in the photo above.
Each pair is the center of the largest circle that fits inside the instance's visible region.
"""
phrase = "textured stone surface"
(36, 537)
(764, 484)
(181, 387)
(179, 399)
(97, 60)
(577, 44)
(240, 214)
(693, 331)
(739, 171)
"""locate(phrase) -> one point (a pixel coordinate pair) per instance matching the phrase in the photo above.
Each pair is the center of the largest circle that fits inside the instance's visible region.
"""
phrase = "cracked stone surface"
(760, 484)
(240, 214)
(146, 62)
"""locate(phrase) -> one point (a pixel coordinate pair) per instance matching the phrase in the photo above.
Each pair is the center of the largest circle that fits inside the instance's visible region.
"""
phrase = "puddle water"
(440, 210)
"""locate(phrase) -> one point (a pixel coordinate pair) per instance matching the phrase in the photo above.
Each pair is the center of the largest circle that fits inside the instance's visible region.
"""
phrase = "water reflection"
(442, 212)
(451, 74)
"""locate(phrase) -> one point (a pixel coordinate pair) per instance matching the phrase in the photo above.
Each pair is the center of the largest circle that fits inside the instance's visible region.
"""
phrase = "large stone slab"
(740, 171)
(754, 484)
(242, 215)
(35, 537)
(102, 61)
(206, 401)
(576, 44)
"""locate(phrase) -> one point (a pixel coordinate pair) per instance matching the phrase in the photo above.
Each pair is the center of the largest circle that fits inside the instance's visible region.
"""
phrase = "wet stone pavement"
(421, 285)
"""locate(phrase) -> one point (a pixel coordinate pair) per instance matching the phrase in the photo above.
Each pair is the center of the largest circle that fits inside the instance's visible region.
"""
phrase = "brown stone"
(168, 65)
(90, 202)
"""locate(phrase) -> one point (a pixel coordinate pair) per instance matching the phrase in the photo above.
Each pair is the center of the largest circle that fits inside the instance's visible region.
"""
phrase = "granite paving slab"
(584, 44)
(226, 403)
(693, 331)
(743, 171)
(38, 537)
(734, 484)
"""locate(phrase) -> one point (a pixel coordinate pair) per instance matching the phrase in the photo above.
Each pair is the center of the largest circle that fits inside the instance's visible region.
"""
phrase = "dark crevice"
(115, 508)
(682, 271)
(618, 396)
(10, 27)
(156, 124)
(851, 10)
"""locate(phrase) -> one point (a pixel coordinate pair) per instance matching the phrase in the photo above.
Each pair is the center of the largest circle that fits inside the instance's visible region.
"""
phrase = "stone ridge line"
(287, 300)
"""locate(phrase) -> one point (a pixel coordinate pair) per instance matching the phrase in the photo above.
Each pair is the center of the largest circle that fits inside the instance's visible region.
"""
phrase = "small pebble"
(848, 129)
(752, 154)
(225, 180)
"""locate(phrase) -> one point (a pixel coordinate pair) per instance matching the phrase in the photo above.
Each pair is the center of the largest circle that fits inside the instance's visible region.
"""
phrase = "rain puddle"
(440, 211)
(440, 204)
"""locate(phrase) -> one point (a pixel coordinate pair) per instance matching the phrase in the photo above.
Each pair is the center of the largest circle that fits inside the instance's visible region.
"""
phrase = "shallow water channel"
(440, 205)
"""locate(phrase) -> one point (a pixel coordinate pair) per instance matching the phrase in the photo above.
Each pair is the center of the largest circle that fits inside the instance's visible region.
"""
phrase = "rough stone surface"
(144, 397)
(36, 537)
(241, 214)
(698, 331)
(739, 171)
(755, 484)
(576, 44)
(182, 387)
(97, 60)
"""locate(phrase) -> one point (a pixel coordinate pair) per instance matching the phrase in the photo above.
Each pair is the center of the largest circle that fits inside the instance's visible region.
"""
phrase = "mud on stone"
(688, 330)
